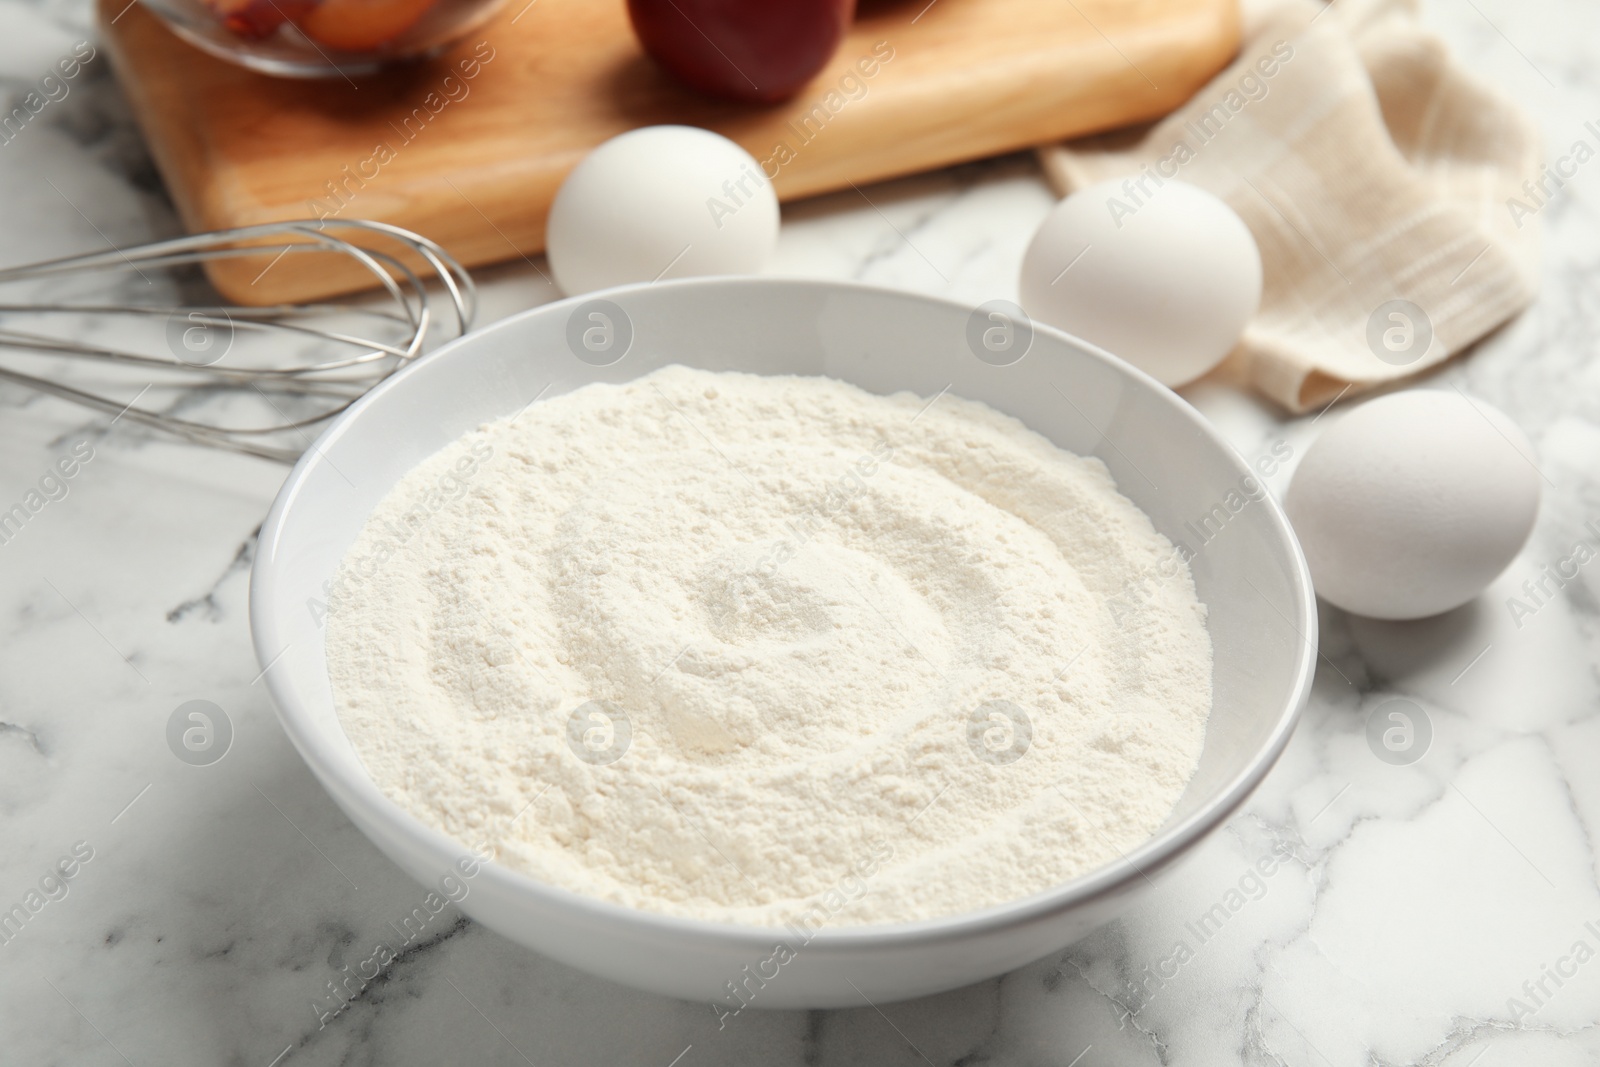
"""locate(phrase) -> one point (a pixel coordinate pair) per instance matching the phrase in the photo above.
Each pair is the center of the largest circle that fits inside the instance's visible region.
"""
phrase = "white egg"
(1413, 503)
(1164, 277)
(661, 201)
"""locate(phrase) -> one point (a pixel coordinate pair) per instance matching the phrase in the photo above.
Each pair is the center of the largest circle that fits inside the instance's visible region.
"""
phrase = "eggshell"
(661, 201)
(1413, 503)
(1166, 279)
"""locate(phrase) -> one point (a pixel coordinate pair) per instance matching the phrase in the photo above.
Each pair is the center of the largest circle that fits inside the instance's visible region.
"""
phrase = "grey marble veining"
(1369, 913)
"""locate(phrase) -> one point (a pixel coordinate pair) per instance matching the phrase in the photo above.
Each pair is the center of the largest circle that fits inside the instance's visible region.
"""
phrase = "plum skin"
(761, 51)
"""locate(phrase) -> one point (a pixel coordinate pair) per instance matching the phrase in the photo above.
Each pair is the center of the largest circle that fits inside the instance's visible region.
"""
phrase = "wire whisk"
(306, 362)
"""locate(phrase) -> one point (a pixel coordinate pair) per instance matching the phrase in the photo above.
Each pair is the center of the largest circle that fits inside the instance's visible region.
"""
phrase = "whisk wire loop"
(335, 381)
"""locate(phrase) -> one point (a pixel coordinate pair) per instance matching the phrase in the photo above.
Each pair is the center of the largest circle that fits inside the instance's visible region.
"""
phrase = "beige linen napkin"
(1371, 169)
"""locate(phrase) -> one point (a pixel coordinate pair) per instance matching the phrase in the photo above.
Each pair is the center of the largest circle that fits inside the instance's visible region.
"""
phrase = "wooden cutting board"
(474, 162)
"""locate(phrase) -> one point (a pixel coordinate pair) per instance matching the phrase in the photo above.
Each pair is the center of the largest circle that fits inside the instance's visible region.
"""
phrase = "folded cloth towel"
(1384, 186)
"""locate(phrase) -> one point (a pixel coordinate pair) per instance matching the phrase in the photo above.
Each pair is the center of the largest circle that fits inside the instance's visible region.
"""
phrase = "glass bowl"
(322, 38)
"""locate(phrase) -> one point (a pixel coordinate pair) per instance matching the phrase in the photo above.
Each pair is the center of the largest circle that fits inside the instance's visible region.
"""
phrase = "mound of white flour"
(770, 649)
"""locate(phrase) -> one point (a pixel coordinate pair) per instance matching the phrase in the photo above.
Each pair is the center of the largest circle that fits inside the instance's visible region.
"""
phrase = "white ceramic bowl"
(1161, 451)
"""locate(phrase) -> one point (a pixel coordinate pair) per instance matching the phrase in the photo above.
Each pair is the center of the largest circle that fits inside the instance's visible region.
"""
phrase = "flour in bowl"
(760, 649)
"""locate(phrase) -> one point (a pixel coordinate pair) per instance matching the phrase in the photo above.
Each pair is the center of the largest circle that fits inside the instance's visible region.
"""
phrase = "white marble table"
(1427, 914)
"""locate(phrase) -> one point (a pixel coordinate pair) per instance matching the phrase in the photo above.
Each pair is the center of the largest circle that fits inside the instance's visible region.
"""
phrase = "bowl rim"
(1154, 853)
